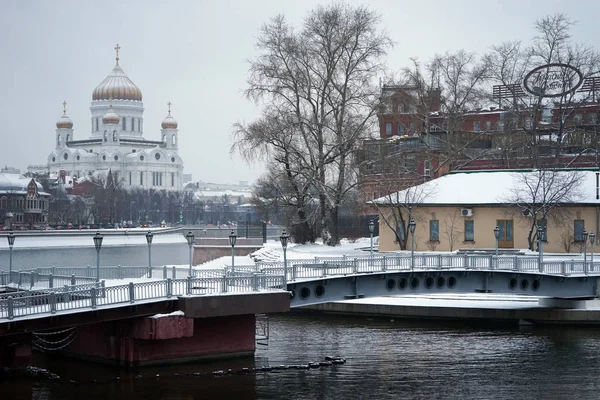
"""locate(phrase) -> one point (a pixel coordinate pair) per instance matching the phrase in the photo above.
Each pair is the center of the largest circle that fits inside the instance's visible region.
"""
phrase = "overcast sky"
(194, 53)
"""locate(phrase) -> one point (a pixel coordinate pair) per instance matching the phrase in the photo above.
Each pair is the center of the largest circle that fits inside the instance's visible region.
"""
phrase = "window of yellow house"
(469, 230)
(578, 229)
(434, 231)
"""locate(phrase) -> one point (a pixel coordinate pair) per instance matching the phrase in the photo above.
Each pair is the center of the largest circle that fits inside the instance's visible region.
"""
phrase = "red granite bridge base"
(15, 351)
(165, 340)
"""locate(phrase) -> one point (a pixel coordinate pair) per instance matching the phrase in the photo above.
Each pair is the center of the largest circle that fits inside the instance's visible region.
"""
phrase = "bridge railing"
(98, 295)
(328, 266)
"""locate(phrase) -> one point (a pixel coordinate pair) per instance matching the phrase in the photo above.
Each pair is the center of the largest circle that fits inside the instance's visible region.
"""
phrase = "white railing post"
(188, 285)
(131, 292)
(93, 297)
(169, 287)
(52, 302)
(174, 273)
(355, 266)
(384, 266)
(10, 305)
(224, 284)
(324, 269)
(51, 281)
(255, 282)
(164, 272)
(73, 280)
(294, 267)
(119, 272)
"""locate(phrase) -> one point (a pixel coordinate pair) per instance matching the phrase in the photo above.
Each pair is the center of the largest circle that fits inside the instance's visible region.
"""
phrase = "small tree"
(452, 231)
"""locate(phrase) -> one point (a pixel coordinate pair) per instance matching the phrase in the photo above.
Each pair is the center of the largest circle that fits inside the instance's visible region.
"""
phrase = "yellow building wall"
(560, 228)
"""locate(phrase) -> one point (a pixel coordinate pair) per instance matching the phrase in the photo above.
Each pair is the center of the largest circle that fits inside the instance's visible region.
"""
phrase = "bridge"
(53, 290)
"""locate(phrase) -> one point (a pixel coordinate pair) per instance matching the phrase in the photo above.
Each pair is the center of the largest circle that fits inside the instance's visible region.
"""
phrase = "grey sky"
(194, 54)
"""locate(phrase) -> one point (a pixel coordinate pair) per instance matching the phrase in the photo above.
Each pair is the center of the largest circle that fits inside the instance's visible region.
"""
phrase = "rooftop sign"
(553, 80)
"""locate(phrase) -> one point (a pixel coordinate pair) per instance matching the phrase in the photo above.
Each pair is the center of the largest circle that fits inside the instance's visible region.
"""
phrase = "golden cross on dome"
(65, 107)
(169, 104)
(117, 48)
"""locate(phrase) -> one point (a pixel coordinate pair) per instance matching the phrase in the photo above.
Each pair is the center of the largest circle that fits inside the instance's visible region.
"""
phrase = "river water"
(385, 359)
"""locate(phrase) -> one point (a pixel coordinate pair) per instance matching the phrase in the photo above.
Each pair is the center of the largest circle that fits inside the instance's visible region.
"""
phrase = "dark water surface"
(385, 360)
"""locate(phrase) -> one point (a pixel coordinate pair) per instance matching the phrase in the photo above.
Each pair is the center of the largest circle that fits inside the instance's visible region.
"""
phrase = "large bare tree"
(319, 83)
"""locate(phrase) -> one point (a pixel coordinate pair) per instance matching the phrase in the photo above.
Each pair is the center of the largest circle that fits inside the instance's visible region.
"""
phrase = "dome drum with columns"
(117, 140)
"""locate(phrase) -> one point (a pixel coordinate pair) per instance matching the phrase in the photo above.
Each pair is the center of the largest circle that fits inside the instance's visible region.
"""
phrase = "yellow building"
(461, 210)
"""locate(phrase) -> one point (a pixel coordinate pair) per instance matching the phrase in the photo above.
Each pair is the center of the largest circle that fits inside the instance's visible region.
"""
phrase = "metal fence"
(22, 304)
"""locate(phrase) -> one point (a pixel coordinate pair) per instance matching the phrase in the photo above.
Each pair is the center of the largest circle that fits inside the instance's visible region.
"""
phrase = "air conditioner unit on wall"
(466, 212)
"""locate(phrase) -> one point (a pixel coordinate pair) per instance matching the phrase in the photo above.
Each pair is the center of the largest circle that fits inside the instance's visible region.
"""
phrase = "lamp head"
(371, 226)
(412, 225)
(190, 238)
(149, 237)
(592, 236)
(284, 238)
(232, 238)
(11, 239)
(98, 241)
(584, 235)
(497, 232)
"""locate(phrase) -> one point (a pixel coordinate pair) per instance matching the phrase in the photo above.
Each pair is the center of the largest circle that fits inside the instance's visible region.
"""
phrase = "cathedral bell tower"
(64, 129)
(169, 131)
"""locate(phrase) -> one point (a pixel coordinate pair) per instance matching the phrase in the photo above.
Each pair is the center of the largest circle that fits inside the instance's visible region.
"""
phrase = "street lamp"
(149, 237)
(190, 239)
(98, 243)
(11, 242)
(284, 238)
(497, 236)
(541, 233)
(232, 239)
(592, 240)
(411, 227)
(371, 230)
(584, 236)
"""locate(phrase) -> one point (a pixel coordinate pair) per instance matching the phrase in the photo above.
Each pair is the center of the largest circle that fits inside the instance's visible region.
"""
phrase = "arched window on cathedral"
(105, 137)
(124, 124)
(163, 137)
(68, 138)
(58, 140)
(114, 136)
(173, 140)
(97, 128)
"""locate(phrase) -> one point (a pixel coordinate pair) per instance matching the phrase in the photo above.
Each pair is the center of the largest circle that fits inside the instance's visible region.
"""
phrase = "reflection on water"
(385, 360)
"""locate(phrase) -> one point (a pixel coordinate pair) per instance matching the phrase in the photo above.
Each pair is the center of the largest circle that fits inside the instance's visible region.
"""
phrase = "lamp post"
(371, 230)
(190, 239)
(98, 243)
(541, 234)
(11, 242)
(232, 239)
(411, 227)
(584, 236)
(149, 237)
(284, 238)
(497, 236)
(592, 240)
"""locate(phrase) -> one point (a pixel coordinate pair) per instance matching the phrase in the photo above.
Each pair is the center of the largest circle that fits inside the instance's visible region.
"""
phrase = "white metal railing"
(48, 301)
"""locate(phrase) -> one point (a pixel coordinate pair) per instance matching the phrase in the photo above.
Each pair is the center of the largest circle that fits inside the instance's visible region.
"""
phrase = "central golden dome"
(117, 86)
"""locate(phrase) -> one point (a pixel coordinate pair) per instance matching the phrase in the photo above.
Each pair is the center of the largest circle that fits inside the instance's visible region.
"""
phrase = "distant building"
(117, 142)
(23, 202)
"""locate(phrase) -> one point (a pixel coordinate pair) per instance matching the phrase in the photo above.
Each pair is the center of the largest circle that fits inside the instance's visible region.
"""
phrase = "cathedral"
(116, 142)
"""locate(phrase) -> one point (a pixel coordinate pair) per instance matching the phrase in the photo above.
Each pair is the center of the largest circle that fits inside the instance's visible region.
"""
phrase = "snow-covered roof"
(483, 188)
(17, 184)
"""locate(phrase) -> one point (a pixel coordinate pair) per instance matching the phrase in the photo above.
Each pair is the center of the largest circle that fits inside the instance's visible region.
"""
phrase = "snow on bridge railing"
(94, 296)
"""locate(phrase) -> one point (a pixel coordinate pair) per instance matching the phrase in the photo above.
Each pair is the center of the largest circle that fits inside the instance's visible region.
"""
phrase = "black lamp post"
(190, 239)
(11, 242)
(98, 243)
(541, 232)
(592, 240)
(284, 238)
(411, 227)
(149, 237)
(232, 240)
(584, 236)
(371, 230)
(497, 236)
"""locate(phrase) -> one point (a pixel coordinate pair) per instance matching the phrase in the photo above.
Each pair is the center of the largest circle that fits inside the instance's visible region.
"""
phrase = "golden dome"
(169, 122)
(117, 85)
(64, 122)
(110, 117)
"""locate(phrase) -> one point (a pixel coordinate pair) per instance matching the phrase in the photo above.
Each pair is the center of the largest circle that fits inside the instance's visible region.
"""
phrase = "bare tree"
(398, 208)
(541, 194)
(319, 82)
(451, 230)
